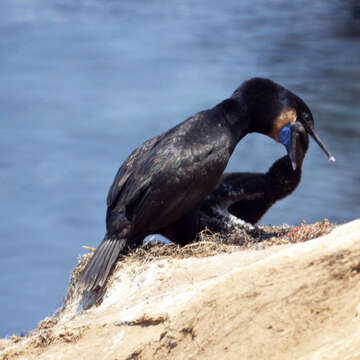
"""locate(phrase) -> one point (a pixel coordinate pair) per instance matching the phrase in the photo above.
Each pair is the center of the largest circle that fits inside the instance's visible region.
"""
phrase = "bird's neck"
(284, 180)
(233, 114)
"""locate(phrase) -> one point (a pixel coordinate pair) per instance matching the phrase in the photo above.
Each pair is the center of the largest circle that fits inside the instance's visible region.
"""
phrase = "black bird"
(241, 199)
(167, 176)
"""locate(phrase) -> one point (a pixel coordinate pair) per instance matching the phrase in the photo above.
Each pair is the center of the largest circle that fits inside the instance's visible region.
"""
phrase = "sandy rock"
(284, 302)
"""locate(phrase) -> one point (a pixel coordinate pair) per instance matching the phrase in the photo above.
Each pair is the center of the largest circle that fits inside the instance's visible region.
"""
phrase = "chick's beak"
(291, 146)
(287, 137)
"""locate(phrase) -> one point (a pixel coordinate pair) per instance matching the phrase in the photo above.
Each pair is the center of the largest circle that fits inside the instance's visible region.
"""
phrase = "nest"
(208, 244)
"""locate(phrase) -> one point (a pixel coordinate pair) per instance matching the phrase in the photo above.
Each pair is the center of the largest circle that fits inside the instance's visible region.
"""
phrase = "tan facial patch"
(285, 117)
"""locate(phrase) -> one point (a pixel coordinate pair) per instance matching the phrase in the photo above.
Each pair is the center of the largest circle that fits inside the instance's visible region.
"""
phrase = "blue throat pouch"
(284, 135)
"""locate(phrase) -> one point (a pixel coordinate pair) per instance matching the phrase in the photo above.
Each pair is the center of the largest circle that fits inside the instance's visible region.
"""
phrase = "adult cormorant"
(167, 176)
(241, 199)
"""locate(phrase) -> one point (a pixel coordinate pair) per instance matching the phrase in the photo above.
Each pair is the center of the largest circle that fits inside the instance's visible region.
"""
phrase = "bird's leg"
(230, 222)
(219, 219)
(237, 223)
(214, 213)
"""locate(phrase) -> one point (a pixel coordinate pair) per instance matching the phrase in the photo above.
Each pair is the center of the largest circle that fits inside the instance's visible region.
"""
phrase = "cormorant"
(167, 176)
(241, 199)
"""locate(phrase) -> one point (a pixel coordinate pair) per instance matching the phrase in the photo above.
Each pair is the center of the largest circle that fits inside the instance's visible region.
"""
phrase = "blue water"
(84, 82)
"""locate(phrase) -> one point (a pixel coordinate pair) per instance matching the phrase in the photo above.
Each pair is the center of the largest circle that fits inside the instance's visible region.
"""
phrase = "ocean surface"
(85, 82)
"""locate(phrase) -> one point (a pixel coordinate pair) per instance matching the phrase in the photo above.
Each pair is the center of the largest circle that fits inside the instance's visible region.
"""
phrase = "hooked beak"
(311, 131)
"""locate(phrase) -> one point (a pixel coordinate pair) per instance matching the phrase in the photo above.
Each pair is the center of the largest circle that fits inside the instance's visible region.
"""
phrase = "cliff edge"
(292, 301)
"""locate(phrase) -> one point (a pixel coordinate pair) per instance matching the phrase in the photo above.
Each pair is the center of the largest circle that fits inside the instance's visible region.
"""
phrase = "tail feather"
(105, 251)
(113, 256)
(97, 270)
(101, 265)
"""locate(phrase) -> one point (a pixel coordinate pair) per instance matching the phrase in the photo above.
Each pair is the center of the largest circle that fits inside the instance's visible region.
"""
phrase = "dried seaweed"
(208, 244)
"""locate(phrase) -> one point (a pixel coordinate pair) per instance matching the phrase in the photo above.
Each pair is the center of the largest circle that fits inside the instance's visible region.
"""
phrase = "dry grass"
(143, 321)
(74, 277)
(209, 244)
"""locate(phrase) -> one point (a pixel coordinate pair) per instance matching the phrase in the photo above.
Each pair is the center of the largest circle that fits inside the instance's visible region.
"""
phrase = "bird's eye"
(306, 117)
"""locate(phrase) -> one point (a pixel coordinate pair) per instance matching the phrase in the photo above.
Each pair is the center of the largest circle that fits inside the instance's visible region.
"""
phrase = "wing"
(237, 187)
(127, 169)
(169, 174)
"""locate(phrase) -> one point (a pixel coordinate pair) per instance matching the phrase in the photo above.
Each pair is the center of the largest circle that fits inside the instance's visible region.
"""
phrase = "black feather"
(100, 265)
(171, 174)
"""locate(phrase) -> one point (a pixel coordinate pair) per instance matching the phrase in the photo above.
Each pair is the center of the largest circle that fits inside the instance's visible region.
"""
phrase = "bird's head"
(274, 111)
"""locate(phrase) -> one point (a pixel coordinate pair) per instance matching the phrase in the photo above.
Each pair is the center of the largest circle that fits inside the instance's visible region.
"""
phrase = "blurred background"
(84, 82)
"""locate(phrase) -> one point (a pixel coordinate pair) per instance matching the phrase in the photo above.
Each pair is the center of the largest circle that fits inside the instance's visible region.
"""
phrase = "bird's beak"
(311, 131)
(291, 146)
(287, 137)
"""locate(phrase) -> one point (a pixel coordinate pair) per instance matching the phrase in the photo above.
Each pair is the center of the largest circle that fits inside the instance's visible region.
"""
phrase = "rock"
(299, 301)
